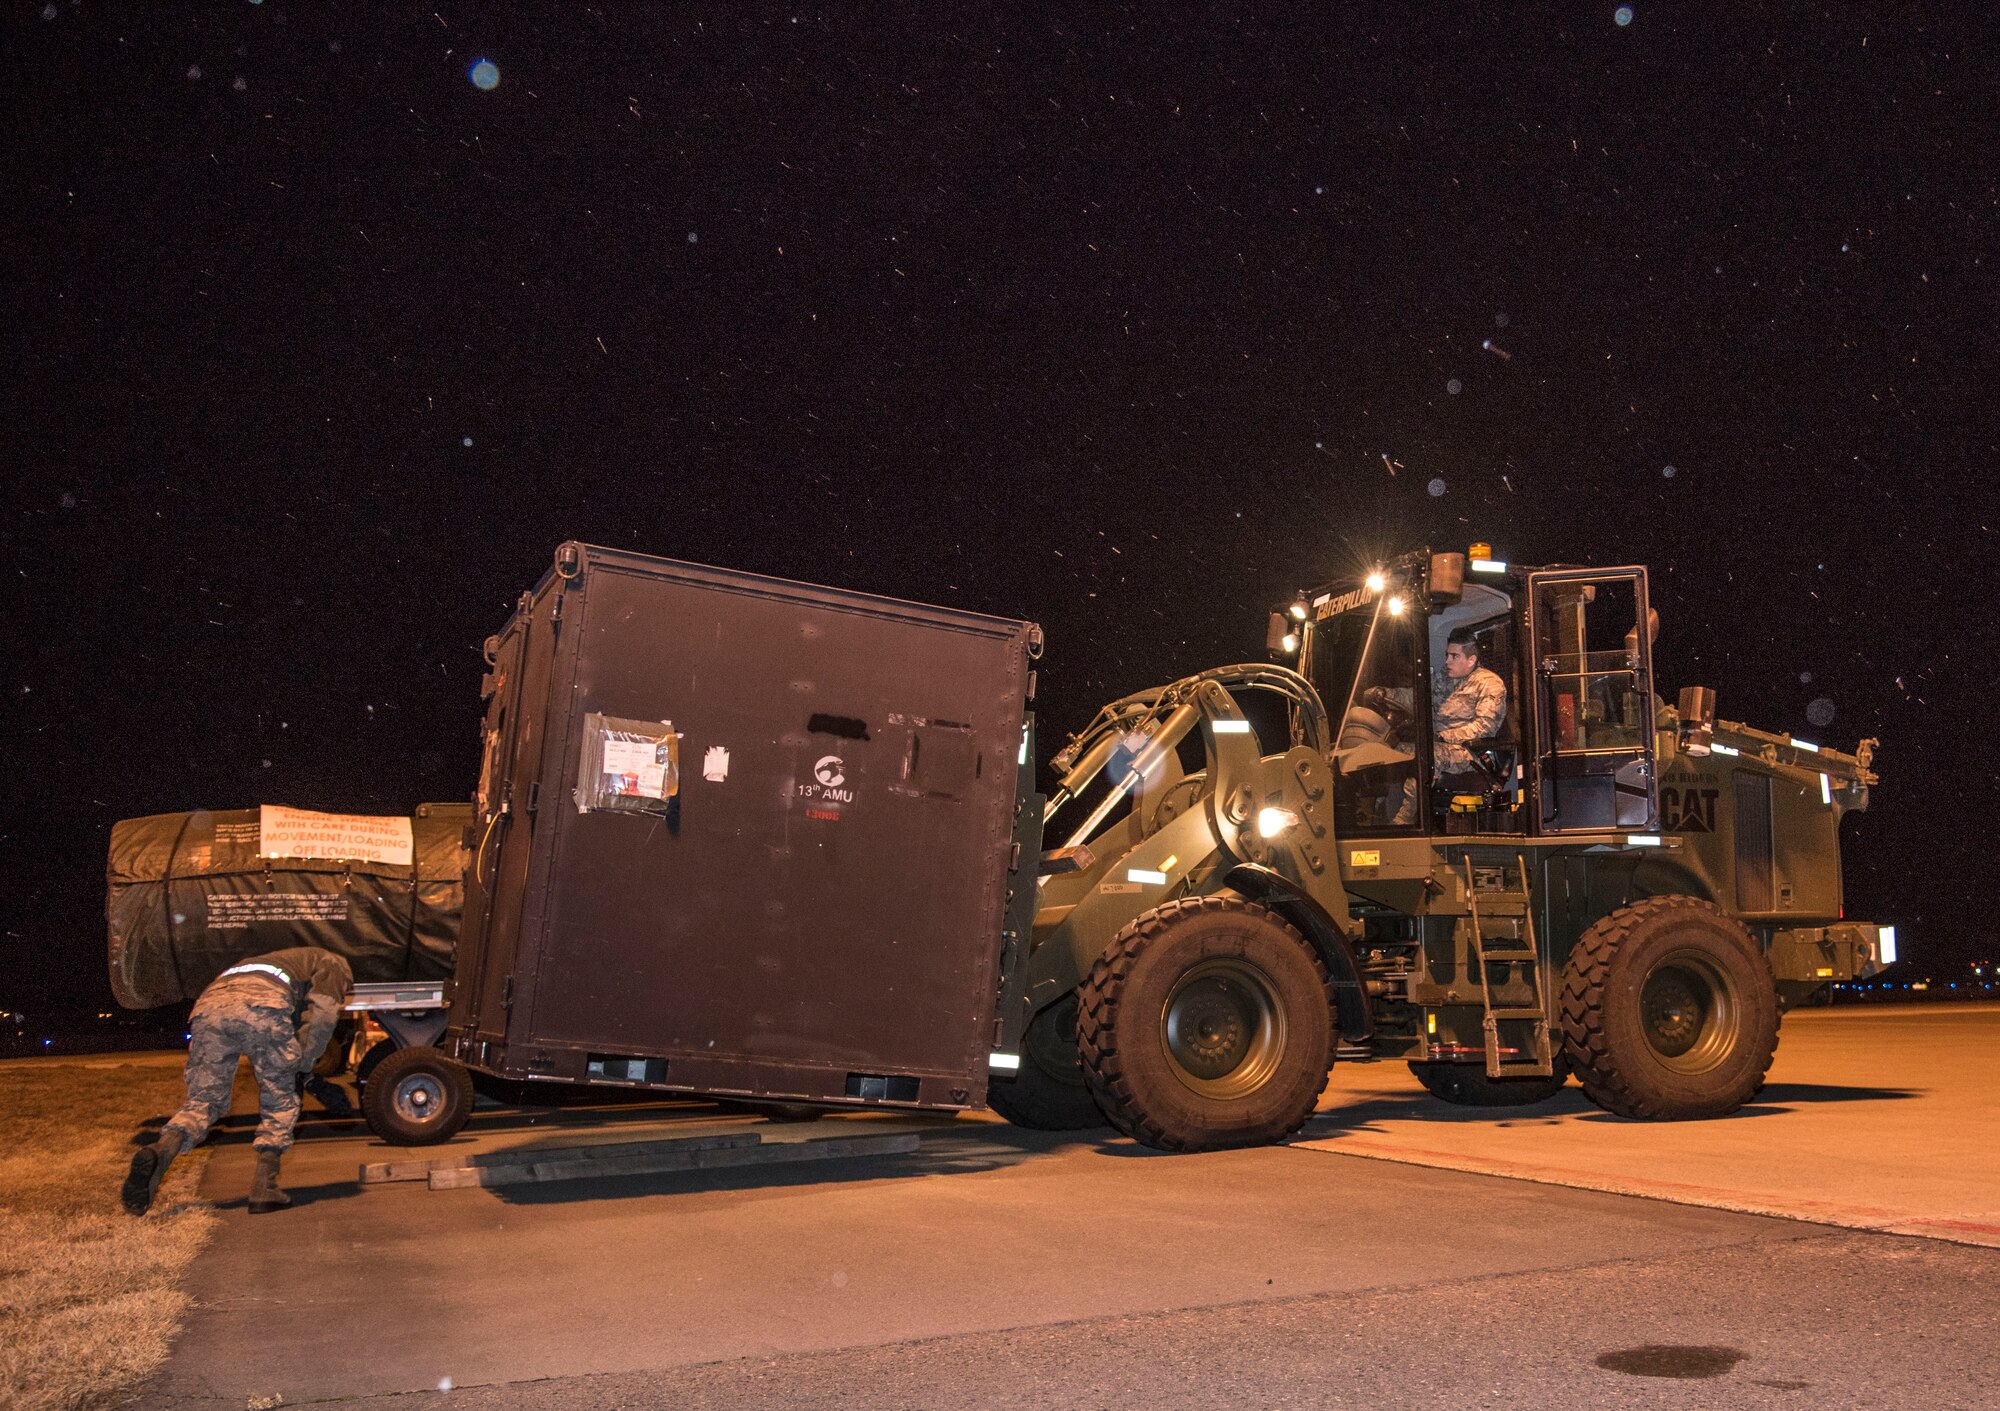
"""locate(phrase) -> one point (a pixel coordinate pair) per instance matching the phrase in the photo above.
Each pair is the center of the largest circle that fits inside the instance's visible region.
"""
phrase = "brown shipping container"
(742, 836)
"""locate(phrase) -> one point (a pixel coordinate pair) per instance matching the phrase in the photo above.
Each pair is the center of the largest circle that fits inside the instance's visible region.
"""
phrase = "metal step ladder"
(1519, 948)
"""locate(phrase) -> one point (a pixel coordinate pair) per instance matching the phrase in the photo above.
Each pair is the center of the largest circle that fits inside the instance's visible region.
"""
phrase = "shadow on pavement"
(1775, 1100)
(1362, 1116)
(987, 1147)
(1780, 1093)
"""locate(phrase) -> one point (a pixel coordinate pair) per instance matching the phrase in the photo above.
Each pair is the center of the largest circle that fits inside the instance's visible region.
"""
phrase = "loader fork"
(1517, 949)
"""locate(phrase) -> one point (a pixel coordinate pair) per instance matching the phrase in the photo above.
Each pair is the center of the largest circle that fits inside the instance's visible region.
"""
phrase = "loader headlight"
(1273, 821)
(1396, 606)
(1290, 641)
(1376, 582)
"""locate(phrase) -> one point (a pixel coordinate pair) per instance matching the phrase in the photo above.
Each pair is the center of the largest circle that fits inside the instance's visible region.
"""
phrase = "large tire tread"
(1606, 1078)
(1039, 1100)
(1097, 998)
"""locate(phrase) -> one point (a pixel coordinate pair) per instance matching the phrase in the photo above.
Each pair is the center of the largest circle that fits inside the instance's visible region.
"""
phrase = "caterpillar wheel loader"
(1250, 870)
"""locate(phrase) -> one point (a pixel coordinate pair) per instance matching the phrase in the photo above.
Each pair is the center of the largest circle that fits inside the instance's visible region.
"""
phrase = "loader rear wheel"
(1048, 1093)
(1206, 1023)
(1669, 1011)
(1466, 1084)
(417, 1097)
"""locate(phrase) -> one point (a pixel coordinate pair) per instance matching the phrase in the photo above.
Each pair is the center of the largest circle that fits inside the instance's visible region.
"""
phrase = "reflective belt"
(258, 968)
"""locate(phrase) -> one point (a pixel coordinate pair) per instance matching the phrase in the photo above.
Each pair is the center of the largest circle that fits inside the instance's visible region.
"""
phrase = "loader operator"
(1469, 705)
(277, 1010)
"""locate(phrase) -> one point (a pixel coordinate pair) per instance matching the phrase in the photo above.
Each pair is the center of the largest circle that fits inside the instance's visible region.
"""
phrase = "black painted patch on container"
(845, 727)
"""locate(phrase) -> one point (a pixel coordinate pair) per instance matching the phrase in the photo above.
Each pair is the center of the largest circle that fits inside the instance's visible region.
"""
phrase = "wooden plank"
(376, 1172)
(701, 1158)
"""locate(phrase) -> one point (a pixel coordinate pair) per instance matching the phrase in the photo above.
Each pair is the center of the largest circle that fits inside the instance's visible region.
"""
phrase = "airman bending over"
(277, 1010)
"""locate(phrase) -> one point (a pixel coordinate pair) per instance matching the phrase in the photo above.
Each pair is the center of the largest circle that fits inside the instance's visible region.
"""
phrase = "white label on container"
(635, 768)
(715, 764)
(630, 756)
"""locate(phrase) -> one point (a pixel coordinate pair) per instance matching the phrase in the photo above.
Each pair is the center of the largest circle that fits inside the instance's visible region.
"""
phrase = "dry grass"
(89, 1297)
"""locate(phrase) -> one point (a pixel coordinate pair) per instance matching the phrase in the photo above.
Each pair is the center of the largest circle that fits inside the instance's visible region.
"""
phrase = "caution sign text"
(353, 837)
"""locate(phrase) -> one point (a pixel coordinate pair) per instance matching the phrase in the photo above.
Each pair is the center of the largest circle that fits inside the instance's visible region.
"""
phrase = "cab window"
(1379, 739)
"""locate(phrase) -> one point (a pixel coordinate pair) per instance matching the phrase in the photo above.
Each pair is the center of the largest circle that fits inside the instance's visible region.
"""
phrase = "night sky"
(321, 340)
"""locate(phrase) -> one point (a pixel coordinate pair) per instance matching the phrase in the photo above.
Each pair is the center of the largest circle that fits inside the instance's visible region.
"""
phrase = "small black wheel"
(1669, 1011)
(1206, 1023)
(1048, 1092)
(417, 1097)
(372, 1059)
(1466, 1084)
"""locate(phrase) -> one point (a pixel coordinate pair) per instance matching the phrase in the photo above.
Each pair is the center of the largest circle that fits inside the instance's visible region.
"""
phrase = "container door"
(497, 876)
(1591, 642)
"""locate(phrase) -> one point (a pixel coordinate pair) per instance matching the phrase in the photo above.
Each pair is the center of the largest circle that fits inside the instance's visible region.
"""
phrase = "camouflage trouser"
(241, 1017)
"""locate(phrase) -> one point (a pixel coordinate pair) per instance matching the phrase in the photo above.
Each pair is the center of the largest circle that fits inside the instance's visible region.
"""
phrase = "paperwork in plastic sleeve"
(628, 766)
(350, 837)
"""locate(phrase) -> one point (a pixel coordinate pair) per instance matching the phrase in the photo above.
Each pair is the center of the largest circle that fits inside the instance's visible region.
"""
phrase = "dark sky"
(318, 350)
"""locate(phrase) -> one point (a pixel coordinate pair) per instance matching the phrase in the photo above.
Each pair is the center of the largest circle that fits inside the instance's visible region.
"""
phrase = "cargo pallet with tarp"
(190, 894)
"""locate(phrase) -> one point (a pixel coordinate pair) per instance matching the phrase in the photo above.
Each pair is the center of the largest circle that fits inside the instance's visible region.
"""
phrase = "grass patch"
(89, 1296)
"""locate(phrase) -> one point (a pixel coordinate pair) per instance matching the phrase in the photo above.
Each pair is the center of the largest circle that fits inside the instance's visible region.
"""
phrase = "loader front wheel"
(1466, 1084)
(1669, 1011)
(1048, 1092)
(417, 1097)
(1206, 1023)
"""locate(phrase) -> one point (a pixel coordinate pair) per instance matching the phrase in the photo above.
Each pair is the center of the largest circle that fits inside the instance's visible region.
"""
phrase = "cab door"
(1590, 643)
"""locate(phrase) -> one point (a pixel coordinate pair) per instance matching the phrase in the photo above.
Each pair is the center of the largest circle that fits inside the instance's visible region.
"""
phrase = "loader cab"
(1590, 639)
(1570, 752)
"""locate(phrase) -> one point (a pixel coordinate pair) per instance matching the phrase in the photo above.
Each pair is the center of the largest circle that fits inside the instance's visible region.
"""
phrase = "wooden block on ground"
(610, 1161)
(375, 1172)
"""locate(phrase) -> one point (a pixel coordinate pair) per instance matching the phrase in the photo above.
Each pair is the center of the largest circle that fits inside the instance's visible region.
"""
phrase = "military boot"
(149, 1168)
(264, 1193)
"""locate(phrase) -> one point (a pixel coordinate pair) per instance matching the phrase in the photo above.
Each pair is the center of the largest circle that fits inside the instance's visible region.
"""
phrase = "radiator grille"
(1753, 842)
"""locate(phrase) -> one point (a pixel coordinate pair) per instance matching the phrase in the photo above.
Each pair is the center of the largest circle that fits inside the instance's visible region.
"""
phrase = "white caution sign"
(351, 837)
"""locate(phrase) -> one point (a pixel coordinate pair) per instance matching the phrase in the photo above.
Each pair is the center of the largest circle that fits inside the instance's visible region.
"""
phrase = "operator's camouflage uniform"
(276, 1010)
(1466, 711)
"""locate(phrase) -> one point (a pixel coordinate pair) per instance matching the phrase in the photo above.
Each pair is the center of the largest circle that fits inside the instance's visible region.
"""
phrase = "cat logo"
(1687, 810)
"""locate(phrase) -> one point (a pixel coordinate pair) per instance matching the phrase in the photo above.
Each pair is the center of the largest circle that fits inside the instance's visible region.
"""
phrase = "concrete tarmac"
(1872, 1118)
(996, 1267)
